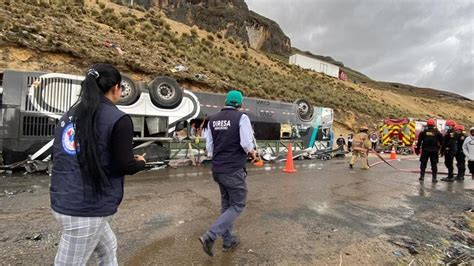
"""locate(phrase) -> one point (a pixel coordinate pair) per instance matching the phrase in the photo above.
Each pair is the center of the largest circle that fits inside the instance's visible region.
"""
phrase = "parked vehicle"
(397, 133)
(314, 64)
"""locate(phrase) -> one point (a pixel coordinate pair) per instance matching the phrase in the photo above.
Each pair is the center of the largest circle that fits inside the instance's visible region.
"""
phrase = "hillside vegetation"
(54, 36)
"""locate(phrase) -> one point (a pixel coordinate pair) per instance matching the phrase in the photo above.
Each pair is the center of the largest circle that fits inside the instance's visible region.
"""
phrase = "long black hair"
(100, 78)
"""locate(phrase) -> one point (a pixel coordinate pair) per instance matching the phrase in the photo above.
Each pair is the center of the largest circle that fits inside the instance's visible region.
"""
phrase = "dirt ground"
(323, 214)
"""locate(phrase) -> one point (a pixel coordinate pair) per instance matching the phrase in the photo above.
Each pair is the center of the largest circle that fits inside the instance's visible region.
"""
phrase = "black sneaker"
(421, 178)
(232, 245)
(351, 166)
(207, 245)
(448, 179)
(434, 181)
(459, 178)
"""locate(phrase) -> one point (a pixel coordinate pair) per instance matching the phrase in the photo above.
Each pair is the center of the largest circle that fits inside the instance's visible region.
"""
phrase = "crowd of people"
(454, 144)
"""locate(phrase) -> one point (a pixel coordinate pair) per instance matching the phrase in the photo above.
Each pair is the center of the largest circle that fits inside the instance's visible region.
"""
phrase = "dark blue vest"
(68, 194)
(228, 156)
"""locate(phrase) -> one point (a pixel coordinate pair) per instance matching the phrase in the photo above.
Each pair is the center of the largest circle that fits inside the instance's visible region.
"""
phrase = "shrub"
(146, 26)
(101, 5)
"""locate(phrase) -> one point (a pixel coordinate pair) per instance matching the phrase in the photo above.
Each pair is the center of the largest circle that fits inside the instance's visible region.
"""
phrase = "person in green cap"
(229, 142)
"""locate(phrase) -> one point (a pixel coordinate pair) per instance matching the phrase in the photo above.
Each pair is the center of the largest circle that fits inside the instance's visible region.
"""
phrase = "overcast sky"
(426, 43)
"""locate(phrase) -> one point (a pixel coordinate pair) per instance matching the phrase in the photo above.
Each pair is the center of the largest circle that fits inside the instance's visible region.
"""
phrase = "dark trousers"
(448, 162)
(433, 157)
(374, 145)
(461, 164)
(233, 190)
(470, 164)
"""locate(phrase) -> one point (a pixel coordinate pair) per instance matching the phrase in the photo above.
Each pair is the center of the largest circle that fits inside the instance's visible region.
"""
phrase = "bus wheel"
(130, 91)
(165, 92)
(305, 110)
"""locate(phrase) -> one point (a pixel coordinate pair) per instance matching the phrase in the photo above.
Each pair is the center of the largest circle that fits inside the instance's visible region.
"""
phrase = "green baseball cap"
(234, 98)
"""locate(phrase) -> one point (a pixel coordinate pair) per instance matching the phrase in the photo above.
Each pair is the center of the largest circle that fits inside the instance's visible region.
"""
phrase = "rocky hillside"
(49, 35)
(229, 18)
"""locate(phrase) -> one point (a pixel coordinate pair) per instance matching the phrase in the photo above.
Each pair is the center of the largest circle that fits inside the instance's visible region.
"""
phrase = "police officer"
(449, 150)
(229, 142)
(430, 141)
(360, 147)
(460, 136)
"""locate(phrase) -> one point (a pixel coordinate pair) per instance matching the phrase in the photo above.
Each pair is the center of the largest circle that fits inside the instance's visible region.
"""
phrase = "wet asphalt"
(324, 213)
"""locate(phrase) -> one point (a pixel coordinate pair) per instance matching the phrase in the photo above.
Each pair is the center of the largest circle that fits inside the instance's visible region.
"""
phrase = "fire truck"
(399, 134)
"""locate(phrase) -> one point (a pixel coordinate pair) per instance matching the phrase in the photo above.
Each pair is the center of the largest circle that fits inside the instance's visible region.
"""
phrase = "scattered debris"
(180, 162)
(179, 68)
(406, 242)
(458, 254)
(412, 250)
(35, 237)
(10, 193)
(181, 222)
(200, 76)
(397, 253)
(109, 44)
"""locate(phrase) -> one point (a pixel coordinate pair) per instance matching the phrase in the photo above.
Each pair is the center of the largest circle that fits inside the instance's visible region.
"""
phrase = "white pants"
(83, 237)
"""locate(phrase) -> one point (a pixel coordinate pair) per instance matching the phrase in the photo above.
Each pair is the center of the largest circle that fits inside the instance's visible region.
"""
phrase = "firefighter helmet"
(459, 127)
(430, 122)
(450, 123)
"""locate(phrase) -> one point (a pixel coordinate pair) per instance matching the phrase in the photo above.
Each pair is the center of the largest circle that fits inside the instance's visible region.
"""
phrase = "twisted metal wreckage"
(32, 102)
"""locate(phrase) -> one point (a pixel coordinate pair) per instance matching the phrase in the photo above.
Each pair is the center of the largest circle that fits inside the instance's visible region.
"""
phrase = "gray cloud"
(426, 43)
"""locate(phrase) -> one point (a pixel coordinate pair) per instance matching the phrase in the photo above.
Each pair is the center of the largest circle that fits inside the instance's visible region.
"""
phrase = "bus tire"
(165, 92)
(305, 109)
(130, 91)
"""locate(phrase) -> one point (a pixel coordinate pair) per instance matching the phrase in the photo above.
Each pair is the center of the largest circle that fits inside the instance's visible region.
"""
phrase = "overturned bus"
(32, 102)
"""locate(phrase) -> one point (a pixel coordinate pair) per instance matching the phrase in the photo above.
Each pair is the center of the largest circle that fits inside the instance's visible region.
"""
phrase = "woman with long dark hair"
(91, 154)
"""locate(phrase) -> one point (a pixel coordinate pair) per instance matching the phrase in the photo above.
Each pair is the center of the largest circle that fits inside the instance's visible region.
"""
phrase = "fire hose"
(383, 160)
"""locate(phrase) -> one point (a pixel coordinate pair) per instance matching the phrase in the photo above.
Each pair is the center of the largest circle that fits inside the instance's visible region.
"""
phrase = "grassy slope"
(69, 38)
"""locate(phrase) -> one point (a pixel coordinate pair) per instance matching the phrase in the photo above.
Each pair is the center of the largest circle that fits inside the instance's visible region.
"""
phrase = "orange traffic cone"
(289, 167)
(393, 154)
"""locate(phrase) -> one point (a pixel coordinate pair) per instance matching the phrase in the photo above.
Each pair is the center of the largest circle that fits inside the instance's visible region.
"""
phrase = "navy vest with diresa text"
(228, 155)
(68, 194)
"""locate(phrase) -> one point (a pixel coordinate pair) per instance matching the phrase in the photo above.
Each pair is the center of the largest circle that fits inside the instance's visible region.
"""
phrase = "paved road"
(324, 213)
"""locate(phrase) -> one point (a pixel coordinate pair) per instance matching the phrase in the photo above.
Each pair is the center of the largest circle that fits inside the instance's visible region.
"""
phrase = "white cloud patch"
(427, 43)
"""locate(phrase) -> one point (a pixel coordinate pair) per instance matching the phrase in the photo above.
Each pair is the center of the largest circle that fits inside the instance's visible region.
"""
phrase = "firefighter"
(360, 147)
(449, 150)
(460, 136)
(468, 149)
(429, 144)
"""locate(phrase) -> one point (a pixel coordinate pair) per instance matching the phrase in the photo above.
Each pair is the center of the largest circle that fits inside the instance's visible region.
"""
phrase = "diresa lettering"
(221, 124)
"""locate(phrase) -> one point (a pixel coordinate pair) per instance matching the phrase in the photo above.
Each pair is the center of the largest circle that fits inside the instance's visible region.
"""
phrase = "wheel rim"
(303, 108)
(126, 89)
(165, 91)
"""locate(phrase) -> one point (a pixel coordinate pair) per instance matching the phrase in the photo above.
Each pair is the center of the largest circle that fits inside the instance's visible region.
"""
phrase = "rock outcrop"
(232, 18)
